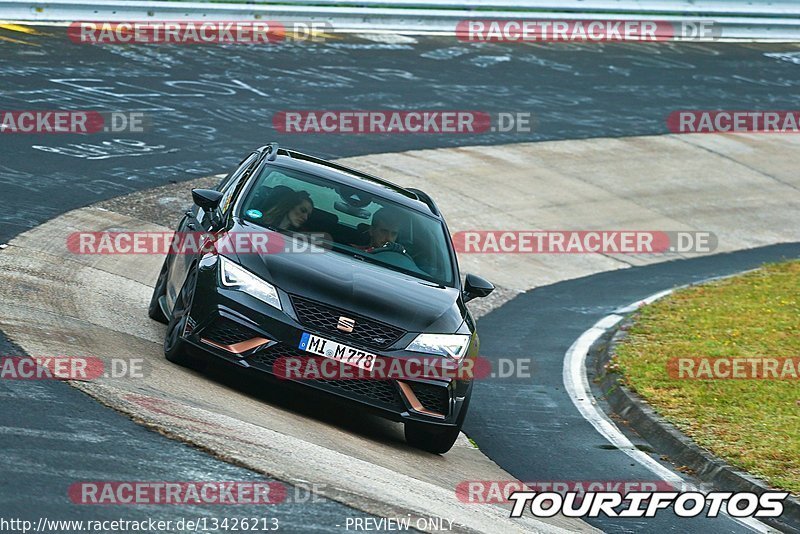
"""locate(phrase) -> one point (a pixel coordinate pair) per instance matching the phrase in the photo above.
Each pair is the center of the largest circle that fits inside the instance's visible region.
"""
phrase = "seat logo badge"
(345, 324)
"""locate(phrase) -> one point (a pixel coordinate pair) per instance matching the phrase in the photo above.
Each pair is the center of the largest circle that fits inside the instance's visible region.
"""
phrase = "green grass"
(752, 424)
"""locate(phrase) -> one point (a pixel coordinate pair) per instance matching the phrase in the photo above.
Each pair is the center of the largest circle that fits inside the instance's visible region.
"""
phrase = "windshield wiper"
(352, 252)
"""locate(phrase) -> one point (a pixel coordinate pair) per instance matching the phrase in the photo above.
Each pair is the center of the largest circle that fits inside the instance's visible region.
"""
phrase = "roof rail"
(423, 196)
(268, 151)
(409, 192)
(350, 170)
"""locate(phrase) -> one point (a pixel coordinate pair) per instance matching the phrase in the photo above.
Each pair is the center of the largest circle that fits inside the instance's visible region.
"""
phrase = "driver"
(383, 231)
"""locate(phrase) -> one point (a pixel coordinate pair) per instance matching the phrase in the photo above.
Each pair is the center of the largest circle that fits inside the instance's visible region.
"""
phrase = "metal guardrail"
(737, 19)
(708, 7)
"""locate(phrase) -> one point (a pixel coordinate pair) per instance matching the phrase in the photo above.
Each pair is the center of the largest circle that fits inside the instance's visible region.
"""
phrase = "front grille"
(325, 318)
(380, 390)
(264, 359)
(226, 332)
(383, 391)
(434, 398)
(190, 326)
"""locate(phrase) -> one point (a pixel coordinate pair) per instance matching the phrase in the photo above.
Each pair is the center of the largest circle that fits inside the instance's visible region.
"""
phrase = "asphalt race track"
(210, 105)
(54, 435)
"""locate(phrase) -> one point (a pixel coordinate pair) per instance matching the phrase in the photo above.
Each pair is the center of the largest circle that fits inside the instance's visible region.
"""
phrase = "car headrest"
(320, 220)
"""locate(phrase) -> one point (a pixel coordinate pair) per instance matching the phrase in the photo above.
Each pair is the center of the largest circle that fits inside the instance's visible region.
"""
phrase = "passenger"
(291, 212)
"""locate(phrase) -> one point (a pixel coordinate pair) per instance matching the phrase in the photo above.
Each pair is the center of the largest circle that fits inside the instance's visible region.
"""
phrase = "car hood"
(362, 288)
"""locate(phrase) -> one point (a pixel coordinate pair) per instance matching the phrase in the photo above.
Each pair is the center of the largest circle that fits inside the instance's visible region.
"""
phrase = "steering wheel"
(391, 247)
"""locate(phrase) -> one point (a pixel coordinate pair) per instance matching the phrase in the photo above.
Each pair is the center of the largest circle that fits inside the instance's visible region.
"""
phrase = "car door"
(198, 220)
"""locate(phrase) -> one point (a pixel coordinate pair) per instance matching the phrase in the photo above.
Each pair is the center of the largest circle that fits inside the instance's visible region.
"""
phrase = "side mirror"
(208, 199)
(476, 287)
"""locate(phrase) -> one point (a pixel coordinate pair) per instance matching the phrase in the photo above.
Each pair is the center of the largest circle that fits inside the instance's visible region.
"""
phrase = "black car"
(379, 285)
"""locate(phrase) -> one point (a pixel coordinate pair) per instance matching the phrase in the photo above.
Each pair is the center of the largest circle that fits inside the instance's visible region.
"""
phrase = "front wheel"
(154, 309)
(175, 349)
(431, 438)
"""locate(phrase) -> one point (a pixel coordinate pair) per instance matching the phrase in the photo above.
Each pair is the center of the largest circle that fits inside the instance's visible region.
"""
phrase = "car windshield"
(351, 221)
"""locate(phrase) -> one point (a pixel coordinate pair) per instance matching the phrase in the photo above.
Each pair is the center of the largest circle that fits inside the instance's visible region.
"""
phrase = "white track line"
(576, 383)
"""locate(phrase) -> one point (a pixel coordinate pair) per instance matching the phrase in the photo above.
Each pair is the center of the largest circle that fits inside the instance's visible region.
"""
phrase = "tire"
(154, 310)
(175, 349)
(431, 438)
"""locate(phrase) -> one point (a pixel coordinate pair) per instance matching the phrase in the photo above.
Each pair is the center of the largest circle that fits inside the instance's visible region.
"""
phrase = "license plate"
(337, 351)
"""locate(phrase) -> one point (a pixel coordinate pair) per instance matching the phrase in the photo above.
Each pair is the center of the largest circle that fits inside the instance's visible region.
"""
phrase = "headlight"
(451, 345)
(237, 277)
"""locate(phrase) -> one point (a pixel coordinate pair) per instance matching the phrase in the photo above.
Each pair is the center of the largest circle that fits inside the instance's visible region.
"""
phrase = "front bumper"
(242, 330)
